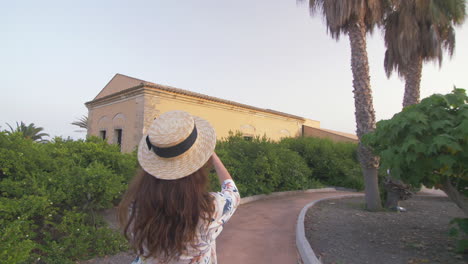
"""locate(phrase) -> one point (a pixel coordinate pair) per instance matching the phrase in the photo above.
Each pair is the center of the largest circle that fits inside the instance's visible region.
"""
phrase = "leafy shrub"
(427, 143)
(261, 166)
(75, 238)
(460, 230)
(16, 245)
(332, 163)
(50, 194)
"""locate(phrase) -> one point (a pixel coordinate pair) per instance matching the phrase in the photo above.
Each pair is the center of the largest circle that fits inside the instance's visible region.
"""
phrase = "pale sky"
(57, 55)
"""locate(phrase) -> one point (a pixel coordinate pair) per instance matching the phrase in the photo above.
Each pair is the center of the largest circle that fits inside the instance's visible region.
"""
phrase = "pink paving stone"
(264, 231)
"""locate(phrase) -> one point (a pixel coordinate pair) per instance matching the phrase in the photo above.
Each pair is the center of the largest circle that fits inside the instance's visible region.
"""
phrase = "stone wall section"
(321, 133)
(151, 110)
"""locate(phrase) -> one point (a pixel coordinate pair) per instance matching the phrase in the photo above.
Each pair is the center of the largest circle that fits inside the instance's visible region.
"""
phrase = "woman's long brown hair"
(160, 217)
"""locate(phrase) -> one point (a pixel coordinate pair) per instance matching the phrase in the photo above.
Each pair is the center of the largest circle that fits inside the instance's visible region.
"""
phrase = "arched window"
(284, 133)
(248, 131)
(103, 125)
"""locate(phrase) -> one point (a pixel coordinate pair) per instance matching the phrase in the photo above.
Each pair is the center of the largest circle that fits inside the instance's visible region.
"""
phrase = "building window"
(118, 137)
(248, 138)
(102, 134)
(284, 133)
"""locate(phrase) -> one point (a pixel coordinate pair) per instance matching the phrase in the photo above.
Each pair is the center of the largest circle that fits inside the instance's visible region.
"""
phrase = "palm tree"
(29, 131)
(355, 18)
(82, 123)
(418, 31)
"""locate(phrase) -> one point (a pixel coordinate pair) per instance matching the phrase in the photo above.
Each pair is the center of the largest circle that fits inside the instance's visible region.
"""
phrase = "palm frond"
(81, 122)
(28, 131)
(340, 14)
(420, 28)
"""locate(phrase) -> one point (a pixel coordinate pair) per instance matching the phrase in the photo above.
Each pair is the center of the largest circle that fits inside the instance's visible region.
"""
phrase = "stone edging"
(254, 198)
(305, 250)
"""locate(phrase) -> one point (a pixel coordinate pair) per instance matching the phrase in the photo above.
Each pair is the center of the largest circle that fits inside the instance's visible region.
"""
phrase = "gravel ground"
(342, 232)
(121, 258)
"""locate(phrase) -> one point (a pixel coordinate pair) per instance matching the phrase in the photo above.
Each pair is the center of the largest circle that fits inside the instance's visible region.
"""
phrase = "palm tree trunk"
(412, 94)
(413, 82)
(364, 112)
(458, 198)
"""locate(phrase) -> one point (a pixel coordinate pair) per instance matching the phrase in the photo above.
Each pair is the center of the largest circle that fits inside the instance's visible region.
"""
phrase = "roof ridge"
(193, 94)
(217, 99)
(136, 79)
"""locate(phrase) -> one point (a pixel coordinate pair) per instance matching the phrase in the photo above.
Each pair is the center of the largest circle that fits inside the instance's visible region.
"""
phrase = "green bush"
(332, 163)
(427, 143)
(459, 230)
(15, 241)
(50, 194)
(261, 166)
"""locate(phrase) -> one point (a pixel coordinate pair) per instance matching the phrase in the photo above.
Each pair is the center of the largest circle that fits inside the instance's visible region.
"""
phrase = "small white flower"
(77, 229)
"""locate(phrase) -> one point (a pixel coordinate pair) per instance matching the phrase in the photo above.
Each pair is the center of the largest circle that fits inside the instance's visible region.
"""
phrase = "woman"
(167, 214)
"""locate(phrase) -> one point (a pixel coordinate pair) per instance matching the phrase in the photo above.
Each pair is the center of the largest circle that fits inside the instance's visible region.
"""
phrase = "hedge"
(51, 193)
(332, 163)
(261, 166)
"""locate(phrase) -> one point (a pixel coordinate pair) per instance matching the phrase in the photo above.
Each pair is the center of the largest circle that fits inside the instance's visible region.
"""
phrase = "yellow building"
(126, 106)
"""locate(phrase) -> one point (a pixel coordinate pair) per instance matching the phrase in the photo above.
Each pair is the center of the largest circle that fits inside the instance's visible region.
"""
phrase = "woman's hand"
(221, 171)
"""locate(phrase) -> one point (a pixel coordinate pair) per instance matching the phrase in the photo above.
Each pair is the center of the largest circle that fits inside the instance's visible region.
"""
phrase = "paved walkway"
(264, 231)
(259, 232)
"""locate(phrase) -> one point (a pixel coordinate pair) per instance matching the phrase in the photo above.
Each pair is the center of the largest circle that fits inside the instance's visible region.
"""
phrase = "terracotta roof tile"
(145, 84)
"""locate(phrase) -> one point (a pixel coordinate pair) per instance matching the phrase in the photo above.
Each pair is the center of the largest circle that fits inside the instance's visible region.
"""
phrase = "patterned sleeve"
(226, 203)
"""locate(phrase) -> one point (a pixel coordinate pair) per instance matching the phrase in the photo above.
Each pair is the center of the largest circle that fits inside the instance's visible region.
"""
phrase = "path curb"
(305, 250)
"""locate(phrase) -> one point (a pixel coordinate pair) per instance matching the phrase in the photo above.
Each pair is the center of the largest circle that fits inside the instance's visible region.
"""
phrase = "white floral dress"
(226, 202)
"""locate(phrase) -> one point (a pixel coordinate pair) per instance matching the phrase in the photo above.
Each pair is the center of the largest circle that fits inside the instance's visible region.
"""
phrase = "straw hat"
(176, 145)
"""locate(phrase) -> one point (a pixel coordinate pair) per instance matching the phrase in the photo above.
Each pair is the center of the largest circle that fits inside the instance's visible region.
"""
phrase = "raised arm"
(227, 200)
(221, 171)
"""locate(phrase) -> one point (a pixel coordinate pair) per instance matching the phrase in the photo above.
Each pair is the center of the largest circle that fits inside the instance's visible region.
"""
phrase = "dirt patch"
(342, 232)
(120, 258)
